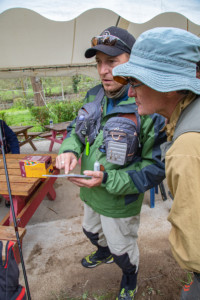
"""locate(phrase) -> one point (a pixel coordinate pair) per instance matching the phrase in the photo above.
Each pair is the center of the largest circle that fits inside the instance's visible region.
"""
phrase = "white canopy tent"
(32, 45)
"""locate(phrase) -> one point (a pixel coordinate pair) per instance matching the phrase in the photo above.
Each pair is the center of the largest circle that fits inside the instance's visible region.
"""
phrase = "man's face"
(105, 64)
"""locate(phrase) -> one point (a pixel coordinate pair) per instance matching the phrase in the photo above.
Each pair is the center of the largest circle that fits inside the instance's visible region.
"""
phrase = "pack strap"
(21, 294)
(135, 117)
(100, 95)
(9, 247)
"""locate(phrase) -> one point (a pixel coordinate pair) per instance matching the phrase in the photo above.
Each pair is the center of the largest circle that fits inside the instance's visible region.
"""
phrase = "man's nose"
(104, 69)
(131, 92)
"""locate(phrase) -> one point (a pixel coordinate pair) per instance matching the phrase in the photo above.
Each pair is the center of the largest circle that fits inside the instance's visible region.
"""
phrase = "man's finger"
(73, 164)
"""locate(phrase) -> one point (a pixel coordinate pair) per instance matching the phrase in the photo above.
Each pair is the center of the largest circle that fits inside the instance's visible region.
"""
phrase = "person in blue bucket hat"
(163, 73)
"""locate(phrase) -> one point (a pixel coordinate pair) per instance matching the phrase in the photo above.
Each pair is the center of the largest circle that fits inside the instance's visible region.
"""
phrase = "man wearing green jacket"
(113, 196)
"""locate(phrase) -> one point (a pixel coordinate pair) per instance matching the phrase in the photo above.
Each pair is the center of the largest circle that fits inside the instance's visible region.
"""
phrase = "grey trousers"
(119, 234)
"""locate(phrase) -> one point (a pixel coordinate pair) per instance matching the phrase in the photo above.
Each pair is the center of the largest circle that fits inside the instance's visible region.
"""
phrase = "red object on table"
(57, 129)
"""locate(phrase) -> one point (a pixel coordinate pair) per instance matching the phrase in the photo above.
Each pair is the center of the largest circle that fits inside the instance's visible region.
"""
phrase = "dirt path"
(53, 251)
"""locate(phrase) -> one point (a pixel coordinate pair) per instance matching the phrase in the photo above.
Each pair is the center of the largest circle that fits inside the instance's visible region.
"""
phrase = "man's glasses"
(127, 80)
(108, 40)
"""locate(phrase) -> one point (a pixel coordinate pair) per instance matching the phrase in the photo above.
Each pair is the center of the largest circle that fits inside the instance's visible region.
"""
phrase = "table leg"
(64, 134)
(52, 140)
(32, 145)
(30, 142)
(18, 203)
(51, 193)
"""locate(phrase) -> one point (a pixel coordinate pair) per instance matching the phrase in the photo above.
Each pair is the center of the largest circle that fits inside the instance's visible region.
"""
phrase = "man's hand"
(67, 161)
(96, 180)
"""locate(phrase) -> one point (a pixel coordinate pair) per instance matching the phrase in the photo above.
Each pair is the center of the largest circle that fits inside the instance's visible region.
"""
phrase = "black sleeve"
(10, 139)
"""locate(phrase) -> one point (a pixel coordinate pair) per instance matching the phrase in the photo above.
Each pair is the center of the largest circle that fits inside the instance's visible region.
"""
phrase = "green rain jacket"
(122, 194)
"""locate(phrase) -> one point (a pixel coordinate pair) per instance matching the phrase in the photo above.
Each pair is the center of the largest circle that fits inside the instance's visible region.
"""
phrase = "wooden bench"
(34, 134)
(46, 134)
(29, 137)
(7, 233)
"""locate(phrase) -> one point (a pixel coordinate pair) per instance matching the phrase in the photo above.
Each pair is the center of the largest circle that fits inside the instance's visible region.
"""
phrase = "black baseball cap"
(120, 47)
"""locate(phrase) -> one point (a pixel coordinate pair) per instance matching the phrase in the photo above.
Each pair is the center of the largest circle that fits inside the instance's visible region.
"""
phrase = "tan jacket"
(182, 162)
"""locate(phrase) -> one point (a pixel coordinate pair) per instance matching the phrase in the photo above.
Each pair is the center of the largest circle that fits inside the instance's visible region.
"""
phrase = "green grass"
(21, 118)
(189, 276)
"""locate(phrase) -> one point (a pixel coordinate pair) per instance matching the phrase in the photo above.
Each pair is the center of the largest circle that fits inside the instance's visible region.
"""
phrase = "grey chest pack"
(120, 133)
(121, 138)
(88, 121)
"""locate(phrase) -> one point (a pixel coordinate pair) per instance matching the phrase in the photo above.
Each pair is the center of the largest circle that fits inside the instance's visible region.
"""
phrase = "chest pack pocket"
(88, 121)
(121, 138)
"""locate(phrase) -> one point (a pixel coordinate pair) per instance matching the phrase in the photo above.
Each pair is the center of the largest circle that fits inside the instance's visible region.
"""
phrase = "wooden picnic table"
(27, 137)
(57, 129)
(27, 194)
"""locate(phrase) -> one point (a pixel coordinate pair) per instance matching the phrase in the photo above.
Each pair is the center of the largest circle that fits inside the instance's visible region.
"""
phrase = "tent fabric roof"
(131, 10)
(32, 45)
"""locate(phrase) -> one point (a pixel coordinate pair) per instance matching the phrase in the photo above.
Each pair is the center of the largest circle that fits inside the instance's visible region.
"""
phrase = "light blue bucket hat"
(164, 59)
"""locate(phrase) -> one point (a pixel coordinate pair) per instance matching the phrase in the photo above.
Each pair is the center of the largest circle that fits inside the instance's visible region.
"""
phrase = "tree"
(75, 81)
(38, 91)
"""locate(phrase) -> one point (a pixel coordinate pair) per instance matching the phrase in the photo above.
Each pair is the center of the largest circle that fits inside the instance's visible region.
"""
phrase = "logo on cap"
(106, 32)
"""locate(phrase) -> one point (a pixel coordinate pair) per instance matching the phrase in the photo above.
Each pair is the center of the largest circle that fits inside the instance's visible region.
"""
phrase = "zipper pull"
(87, 146)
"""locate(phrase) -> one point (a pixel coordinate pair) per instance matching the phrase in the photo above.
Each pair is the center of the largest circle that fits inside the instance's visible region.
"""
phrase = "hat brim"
(158, 80)
(109, 50)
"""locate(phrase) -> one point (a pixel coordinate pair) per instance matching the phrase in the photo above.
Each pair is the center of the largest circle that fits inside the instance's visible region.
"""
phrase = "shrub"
(3, 115)
(58, 112)
(22, 103)
(41, 114)
(66, 111)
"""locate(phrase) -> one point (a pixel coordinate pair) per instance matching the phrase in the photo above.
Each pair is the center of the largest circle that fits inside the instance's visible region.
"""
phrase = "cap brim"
(157, 80)
(109, 50)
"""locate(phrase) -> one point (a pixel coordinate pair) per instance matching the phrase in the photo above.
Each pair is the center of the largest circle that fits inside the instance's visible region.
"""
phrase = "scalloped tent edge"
(32, 45)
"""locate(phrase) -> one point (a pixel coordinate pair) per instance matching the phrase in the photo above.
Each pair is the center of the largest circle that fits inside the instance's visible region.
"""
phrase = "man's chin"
(110, 88)
(142, 112)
